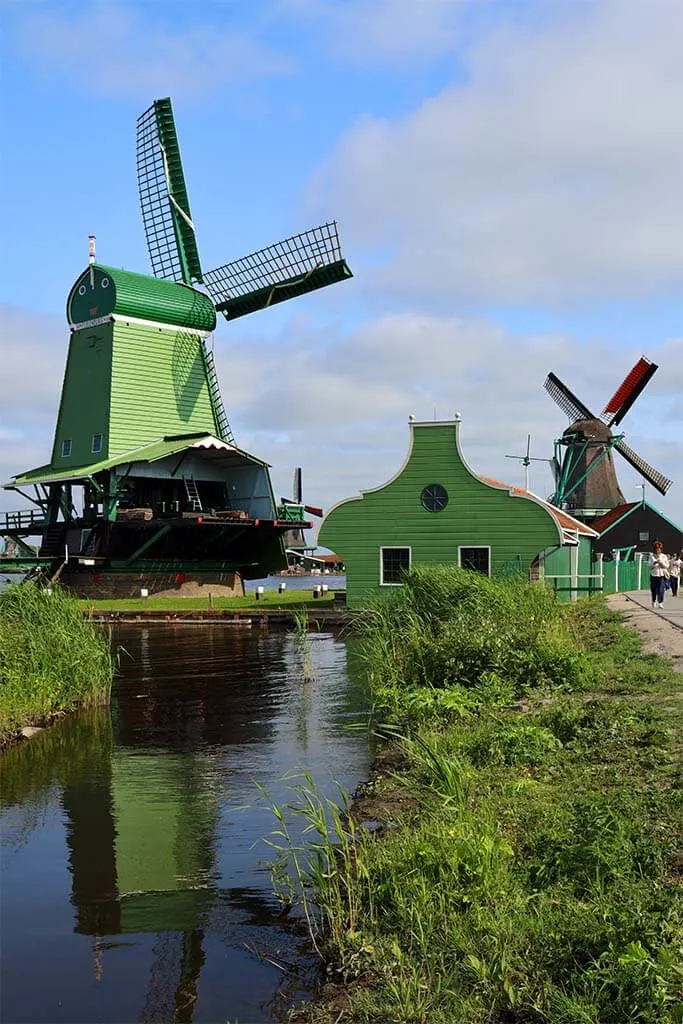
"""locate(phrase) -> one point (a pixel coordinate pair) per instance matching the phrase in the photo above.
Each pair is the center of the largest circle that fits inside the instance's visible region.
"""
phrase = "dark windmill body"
(146, 485)
(585, 478)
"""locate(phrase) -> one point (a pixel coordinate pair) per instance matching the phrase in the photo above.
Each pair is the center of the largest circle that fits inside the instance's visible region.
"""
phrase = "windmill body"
(145, 478)
(586, 479)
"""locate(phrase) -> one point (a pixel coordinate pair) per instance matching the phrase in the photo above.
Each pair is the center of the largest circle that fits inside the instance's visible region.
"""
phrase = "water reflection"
(136, 820)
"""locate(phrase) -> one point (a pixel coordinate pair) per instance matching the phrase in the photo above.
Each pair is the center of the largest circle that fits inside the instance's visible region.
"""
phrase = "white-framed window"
(393, 564)
(476, 558)
(66, 448)
(96, 445)
(644, 535)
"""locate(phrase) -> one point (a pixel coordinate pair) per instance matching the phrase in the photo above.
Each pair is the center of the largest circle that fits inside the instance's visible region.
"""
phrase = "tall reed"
(304, 644)
(51, 658)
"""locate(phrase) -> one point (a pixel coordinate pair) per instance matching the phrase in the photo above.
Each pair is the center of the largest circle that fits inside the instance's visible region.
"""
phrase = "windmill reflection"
(143, 805)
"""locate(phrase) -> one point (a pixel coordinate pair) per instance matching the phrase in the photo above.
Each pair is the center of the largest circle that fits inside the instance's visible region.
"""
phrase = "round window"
(434, 498)
(81, 290)
(104, 282)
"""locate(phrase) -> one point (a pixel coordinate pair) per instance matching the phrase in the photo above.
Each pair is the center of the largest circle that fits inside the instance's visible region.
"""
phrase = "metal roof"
(165, 446)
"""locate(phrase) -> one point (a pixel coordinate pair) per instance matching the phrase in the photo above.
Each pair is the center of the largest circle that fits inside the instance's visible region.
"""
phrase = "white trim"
(475, 547)
(118, 318)
(393, 547)
(97, 322)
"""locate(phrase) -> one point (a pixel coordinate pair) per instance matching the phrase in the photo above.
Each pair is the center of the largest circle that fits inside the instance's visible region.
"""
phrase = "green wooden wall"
(133, 383)
(84, 405)
(477, 514)
(158, 385)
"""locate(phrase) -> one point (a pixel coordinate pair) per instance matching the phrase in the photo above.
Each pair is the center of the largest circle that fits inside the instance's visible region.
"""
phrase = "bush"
(450, 628)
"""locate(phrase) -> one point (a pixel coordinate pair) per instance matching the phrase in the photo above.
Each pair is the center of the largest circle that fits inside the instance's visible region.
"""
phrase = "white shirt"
(675, 566)
(659, 564)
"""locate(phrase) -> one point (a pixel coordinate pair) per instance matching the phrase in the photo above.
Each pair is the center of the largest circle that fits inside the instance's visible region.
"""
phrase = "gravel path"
(660, 630)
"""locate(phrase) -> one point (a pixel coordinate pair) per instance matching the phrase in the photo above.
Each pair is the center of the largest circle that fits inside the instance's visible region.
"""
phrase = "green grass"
(270, 600)
(51, 659)
(533, 876)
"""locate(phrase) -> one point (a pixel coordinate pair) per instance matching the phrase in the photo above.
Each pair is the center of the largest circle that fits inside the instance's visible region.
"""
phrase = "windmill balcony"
(291, 513)
(25, 521)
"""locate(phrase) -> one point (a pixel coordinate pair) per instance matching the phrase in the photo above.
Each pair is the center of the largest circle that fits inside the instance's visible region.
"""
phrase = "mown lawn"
(528, 866)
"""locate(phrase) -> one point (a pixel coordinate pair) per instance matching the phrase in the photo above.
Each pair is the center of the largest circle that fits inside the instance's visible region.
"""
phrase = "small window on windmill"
(66, 448)
(96, 443)
(644, 535)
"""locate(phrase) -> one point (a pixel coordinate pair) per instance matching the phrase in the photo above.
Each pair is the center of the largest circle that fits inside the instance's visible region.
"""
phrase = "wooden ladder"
(193, 494)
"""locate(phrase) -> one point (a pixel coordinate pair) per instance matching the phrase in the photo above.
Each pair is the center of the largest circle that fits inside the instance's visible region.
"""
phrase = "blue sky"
(506, 176)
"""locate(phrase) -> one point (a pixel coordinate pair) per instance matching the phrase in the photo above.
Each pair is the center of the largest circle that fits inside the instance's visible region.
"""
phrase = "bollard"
(316, 591)
(259, 593)
(281, 587)
(324, 588)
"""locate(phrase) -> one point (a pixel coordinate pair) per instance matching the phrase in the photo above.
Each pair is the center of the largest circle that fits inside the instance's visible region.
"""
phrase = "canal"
(134, 878)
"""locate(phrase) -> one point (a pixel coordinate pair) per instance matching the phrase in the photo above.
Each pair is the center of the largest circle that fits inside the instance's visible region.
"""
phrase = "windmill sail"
(566, 399)
(627, 392)
(660, 482)
(164, 202)
(282, 271)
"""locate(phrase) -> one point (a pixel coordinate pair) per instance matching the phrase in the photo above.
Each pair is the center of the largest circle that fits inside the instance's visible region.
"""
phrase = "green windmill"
(146, 482)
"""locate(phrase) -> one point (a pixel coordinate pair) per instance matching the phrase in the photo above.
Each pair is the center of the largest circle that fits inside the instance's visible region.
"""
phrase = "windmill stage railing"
(21, 522)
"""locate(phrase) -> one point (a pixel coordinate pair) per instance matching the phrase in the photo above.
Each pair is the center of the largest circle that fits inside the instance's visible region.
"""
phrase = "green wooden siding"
(158, 386)
(107, 290)
(516, 528)
(84, 405)
(133, 383)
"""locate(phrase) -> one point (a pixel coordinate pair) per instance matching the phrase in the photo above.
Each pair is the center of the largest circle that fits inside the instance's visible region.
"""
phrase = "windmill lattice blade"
(282, 271)
(566, 400)
(657, 479)
(297, 489)
(163, 197)
(627, 392)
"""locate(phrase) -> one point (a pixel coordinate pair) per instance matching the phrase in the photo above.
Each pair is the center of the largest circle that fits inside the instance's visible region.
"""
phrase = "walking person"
(658, 564)
(675, 566)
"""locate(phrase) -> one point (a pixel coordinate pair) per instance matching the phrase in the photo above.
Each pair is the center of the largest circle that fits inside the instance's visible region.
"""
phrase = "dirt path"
(659, 636)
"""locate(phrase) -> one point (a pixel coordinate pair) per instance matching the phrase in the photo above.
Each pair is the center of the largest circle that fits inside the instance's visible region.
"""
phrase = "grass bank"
(527, 868)
(51, 659)
(293, 599)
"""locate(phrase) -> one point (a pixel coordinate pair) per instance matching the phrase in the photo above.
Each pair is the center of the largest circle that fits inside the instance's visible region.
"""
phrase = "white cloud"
(115, 50)
(337, 403)
(551, 174)
(385, 32)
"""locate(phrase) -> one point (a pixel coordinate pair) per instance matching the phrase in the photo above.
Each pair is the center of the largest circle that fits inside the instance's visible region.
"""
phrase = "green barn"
(437, 510)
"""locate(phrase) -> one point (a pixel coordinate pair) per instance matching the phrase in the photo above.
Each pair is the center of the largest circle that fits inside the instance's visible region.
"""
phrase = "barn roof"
(619, 512)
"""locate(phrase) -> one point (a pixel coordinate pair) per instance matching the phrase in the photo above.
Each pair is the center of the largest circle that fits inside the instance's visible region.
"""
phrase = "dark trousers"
(673, 580)
(657, 588)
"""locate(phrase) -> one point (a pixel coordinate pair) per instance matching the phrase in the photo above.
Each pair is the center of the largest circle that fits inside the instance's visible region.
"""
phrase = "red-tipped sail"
(627, 392)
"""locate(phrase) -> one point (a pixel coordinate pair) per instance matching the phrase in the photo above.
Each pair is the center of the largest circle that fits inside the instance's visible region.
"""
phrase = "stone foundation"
(111, 585)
